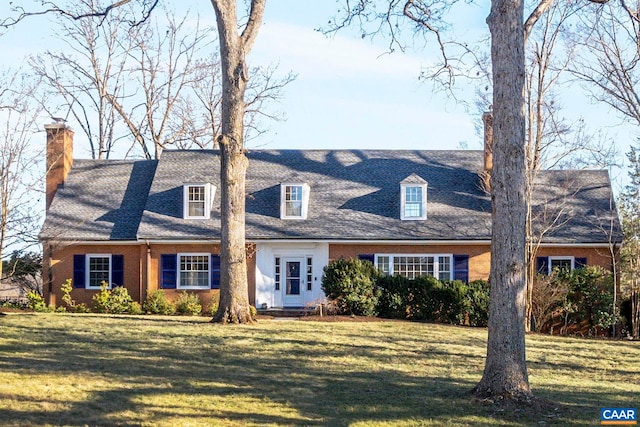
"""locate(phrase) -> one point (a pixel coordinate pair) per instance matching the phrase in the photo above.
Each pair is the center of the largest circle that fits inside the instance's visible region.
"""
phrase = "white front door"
(293, 282)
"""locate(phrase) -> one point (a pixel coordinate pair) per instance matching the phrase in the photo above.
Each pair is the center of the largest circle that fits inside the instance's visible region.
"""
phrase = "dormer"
(413, 198)
(294, 200)
(198, 200)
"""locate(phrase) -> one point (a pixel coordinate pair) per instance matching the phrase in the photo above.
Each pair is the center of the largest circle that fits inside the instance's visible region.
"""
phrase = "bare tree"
(117, 80)
(609, 65)
(86, 76)
(19, 163)
(630, 212)
(234, 46)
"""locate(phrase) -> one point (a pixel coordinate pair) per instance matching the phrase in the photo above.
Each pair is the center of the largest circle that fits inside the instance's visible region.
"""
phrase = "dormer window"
(413, 198)
(294, 201)
(198, 199)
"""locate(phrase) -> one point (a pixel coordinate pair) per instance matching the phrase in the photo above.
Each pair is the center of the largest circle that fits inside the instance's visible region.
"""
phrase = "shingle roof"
(355, 195)
(100, 200)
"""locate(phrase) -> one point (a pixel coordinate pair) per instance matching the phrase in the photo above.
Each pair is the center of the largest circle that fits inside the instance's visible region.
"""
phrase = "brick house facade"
(147, 224)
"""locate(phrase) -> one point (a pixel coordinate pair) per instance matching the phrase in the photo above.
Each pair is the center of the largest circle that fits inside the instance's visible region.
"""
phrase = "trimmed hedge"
(357, 287)
(428, 299)
(351, 284)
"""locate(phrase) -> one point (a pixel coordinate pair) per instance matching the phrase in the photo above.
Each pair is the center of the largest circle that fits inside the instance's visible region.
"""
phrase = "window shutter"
(78, 271)
(367, 257)
(461, 268)
(168, 267)
(215, 271)
(580, 262)
(542, 265)
(117, 270)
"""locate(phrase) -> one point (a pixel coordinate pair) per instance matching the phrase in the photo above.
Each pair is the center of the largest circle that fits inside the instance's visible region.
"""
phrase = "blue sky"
(349, 92)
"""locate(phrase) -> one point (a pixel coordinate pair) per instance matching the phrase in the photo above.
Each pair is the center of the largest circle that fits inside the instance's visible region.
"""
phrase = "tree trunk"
(234, 294)
(505, 372)
(635, 313)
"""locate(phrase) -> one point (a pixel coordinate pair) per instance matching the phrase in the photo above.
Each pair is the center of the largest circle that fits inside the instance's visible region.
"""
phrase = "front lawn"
(98, 370)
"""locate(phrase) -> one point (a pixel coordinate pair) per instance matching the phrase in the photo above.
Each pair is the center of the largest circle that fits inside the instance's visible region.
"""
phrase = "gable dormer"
(198, 200)
(413, 198)
(294, 200)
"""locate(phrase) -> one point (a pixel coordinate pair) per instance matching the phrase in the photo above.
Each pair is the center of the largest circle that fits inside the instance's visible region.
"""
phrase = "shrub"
(36, 302)
(188, 304)
(135, 308)
(352, 285)
(548, 298)
(115, 301)
(157, 303)
(393, 302)
(591, 292)
(101, 299)
(426, 298)
(215, 303)
(478, 302)
(71, 304)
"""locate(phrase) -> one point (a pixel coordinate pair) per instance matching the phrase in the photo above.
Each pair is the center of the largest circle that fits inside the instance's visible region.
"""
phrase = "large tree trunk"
(234, 294)
(505, 372)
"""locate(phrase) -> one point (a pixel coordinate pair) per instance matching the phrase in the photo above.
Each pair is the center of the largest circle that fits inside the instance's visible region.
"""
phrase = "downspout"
(50, 274)
(146, 276)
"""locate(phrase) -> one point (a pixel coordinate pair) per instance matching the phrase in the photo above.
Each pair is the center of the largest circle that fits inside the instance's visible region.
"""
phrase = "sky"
(349, 91)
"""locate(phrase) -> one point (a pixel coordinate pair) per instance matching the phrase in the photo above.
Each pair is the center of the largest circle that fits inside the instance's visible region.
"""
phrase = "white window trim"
(436, 264)
(179, 271)
(305, 200)
(87, 271)
(560, 257)
(403, 200)
(209, 195)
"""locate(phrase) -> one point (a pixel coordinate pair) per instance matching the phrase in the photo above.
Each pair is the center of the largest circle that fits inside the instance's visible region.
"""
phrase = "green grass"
(100, 370)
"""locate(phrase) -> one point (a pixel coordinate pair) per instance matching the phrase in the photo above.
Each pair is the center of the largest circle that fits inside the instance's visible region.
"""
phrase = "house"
(148, 224)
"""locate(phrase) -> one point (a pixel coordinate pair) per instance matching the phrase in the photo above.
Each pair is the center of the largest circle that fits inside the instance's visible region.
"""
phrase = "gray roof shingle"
(100, 200)
(355, 195)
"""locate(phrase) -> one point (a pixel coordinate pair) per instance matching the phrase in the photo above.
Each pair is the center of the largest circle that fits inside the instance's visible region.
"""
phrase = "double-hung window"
(193, 271)
(98, 270)
(198, 199)
(546, 264)
(294, 201)
(561, 263)
(416, 265)
(413, 198)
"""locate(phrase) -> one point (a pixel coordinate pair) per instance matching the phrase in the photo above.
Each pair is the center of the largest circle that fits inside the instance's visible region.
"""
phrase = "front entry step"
(288, 311)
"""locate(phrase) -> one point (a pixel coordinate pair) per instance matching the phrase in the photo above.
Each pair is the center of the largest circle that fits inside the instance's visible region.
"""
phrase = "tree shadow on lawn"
(154, 381)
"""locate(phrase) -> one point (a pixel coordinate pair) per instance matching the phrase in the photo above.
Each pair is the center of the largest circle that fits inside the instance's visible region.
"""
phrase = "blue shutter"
(580, 262)
(215, 271)
(461, 268)
(78, 271)
(542, 265)
(367, 257)
(117, 270)
(169, 270)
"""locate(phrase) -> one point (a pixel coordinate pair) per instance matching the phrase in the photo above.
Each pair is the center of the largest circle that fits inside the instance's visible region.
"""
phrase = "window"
(413, 202)
(277, 274)
(91, 270)
(561, 263)
(294, 201)
(546, 264)
(412, 266)
(309, 273)
(193, 271)
(98, 270)
(198, 199)
(413, 198)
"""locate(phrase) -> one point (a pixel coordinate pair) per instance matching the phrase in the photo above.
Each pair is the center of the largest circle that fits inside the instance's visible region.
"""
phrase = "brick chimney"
(487, 119)
(59, 157)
